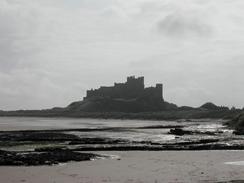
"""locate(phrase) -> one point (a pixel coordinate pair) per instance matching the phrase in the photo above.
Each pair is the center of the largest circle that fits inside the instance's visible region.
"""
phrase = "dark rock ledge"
(50, 157)
(60, 146)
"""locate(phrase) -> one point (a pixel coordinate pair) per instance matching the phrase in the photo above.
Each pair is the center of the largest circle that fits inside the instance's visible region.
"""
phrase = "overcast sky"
(52, 51)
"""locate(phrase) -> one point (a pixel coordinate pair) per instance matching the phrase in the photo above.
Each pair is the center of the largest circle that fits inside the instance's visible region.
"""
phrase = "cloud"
(18, 32)
(184, 25)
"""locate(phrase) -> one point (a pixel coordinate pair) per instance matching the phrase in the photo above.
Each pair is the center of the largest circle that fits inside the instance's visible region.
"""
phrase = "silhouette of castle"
(133, 88)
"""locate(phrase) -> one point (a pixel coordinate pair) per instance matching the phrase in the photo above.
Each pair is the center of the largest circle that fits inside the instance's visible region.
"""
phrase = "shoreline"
(30, 147)
(66, 140)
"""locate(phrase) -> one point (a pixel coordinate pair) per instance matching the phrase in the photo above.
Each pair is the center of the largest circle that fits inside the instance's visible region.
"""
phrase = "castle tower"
(159, 89)
(135, 82)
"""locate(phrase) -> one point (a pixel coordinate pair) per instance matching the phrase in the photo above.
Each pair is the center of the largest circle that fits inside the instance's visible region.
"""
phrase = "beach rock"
(180, 132)
(51, 157)
(98, 141)
(36, 136)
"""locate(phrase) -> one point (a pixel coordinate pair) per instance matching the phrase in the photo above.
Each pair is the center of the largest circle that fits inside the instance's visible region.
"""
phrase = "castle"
(133, 88)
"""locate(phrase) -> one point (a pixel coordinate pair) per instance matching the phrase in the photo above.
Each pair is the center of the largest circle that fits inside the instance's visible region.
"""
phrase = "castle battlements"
(133, 88)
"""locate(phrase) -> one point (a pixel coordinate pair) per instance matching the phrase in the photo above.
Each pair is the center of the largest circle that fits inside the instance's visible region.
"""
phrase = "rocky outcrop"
(180, 132)
(49, 157)
(237, 124)
(212, 106)
(105, 104)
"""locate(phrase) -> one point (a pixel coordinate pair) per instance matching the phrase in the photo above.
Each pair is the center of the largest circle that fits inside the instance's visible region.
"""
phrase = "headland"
(129, 100)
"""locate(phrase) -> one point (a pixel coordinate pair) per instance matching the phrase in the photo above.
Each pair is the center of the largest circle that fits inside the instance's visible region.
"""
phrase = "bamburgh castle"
(133, 88)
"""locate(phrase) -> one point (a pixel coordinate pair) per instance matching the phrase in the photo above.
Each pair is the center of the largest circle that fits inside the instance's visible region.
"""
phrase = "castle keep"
(133, 88)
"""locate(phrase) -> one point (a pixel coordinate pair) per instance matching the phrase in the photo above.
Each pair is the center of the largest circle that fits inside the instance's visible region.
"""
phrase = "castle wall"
(153, 93)
(133, 88)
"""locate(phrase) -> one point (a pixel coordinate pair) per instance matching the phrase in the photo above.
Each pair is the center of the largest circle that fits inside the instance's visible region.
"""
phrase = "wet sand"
(137, 167)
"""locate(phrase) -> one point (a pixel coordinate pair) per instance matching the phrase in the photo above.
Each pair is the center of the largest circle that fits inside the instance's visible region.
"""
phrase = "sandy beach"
(137, 167)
